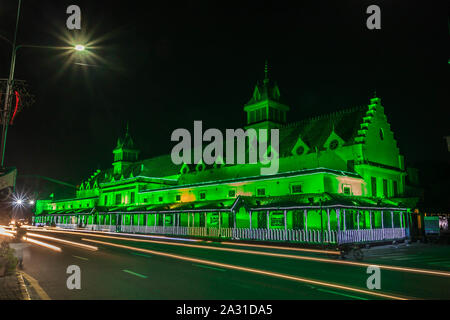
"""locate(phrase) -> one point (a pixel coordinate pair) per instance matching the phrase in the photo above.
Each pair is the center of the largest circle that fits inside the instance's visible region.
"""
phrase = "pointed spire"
(266, 72)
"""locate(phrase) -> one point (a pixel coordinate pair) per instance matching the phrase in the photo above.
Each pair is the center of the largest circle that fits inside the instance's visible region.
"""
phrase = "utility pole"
(9, 87)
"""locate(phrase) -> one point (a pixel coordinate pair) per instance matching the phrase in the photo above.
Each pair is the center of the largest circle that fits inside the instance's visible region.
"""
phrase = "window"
(351, 165)
(252, 116)
(105, 201)
(373, 181)
(261, 192)
(381, 134)
(118, 198)
(202, 195)
(178, 197)
(132, 197)
(145, 200)
(231, 193)
(385, 187)
(395, 188)
(347, 190)
(334, 144)
(296, 188)
(160, 199)
(258, 115)
(299, 151)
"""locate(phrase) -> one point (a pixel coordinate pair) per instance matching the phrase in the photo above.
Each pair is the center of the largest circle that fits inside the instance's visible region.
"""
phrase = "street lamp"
(10, 83)
(80, 47)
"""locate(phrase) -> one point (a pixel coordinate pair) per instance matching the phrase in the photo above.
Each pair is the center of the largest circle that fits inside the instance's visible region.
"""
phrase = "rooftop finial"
(266, 72)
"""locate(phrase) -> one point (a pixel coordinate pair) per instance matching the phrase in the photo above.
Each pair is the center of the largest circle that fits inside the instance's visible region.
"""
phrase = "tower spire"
(266, 72)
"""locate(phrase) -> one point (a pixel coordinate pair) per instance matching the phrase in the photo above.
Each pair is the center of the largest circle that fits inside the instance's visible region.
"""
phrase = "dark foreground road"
(174, 269)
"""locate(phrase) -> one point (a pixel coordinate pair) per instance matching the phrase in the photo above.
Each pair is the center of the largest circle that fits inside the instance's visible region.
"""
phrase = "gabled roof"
(315, 131)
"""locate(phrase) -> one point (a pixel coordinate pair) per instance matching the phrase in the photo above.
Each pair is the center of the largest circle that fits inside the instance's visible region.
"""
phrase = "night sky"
(165, 64)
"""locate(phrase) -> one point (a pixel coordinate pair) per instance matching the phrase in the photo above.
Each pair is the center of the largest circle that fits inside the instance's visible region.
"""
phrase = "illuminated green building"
(341, 179)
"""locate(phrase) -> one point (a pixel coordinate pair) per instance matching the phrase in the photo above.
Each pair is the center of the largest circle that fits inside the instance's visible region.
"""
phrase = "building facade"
(341, 179)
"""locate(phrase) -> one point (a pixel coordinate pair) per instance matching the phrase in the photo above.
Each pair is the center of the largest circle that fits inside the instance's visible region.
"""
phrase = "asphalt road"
(176, 269)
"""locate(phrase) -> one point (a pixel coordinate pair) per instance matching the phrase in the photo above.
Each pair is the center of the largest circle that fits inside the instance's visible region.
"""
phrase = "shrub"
(8, 253)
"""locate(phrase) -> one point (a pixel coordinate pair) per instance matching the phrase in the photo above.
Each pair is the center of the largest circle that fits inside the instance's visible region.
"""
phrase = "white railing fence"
(67, 225)
(365, 235)
(301, 236)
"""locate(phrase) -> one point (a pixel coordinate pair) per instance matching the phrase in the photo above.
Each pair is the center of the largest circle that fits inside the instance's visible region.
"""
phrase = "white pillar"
(268, 219)
(285, 224)
(370, 219)
(328, 219)
(155, 220)
(305, 213)
(401, 220)
(164, 220)
(338, 219)
(357, 218)
(234, 219)
(392, 219)
(250, 215)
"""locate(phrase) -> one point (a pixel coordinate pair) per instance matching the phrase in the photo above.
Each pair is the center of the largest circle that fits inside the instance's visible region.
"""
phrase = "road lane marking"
(208, 267)
(135, 274)
(252, 270)
(278, 255)
(141, 254)
(35, 284)
(82, 258)
(342, 294)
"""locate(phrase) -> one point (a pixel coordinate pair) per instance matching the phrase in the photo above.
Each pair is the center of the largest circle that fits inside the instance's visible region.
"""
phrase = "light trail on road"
(263, 246)
(72, 243)
(126, 234)
(279, 255)
(252, 270)
(43, 244)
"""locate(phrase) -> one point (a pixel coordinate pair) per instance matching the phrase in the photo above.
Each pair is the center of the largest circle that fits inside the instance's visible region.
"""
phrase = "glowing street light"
(31, 202)
(80, 47)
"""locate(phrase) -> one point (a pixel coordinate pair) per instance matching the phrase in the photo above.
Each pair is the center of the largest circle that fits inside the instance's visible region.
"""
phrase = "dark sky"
(165, 64)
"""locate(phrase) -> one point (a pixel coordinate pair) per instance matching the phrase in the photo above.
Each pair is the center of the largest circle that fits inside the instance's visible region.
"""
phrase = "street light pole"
(9, 86)
(5, 116)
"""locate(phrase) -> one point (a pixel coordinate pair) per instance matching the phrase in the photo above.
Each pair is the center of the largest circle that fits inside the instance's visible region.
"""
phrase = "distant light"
(31, 202)
(19, 201)
(80, 47)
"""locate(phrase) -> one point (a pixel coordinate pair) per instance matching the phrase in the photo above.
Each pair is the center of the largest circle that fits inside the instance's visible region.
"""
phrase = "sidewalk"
(393, 248)
(12, 287)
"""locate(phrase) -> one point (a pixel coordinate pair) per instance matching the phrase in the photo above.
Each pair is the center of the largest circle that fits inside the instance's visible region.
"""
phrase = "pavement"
(12, 287)
(128, 267)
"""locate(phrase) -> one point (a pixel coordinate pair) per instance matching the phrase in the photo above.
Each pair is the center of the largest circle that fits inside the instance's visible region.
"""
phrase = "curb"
(23, 287)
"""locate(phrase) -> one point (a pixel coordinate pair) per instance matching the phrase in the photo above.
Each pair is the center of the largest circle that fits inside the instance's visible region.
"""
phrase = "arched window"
(334, 144)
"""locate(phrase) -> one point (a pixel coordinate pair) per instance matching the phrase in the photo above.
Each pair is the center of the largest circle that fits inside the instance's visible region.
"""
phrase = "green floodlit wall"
(376, 143)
